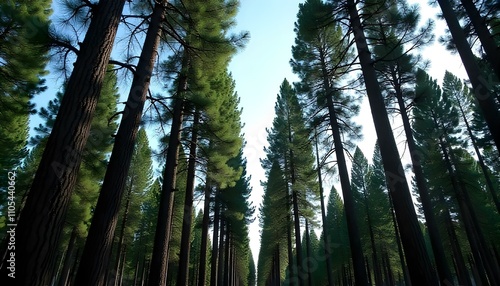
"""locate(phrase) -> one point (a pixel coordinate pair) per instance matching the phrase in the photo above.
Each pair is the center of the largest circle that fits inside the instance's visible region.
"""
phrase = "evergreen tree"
(483, 93)
(411, 234)
(23, 50)
(319, 54)
(58, 170)
(290, 146)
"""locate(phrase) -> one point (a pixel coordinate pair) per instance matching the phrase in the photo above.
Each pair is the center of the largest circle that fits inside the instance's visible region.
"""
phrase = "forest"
(136, 173)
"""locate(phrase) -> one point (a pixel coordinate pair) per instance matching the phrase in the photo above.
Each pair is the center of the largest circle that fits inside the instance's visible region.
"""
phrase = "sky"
(259, 70)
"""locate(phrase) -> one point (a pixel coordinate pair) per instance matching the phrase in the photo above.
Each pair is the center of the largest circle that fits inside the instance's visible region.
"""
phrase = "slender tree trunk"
(120, 248)
(485, 170)
(292, 267)
(376, 267)
(159, 260)
(404, 267)
(204, 236)
(349, 206)
(478, 251)
(368, 271)
(227, 253)
(182, 274)
(418, 260)
(68, 259)
(442, 266)
(97, 249)
(462, 273)
(326, 236)
(298, 243)
(215, 242)
(487, 41)
(41, 222)
(221, 257)
(482, 88)
(309, 257)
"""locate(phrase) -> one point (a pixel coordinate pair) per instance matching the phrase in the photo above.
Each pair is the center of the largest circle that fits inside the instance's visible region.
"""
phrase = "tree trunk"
(482, 88)
(430, 218)
(404, 267)
(159, 260)
(326, 239)
(376, 267)
(120, 248)
(227, 255)
(204, 237)
(487, 41)
(411, 235)
(42, 219)
(68, 259)
(182, 274)
(349, 205)
(97, 249)
(221, 257)
(215, 242)
(470, 224)
(291, 265)
(309, 257)
(462, 273)
(485, 170)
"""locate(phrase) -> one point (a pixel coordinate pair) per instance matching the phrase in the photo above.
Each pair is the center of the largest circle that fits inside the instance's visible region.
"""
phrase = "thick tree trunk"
(182, 274)
(418, 260)
(204, 237)
(68, 259)
(41, 221)
(97, 249)
(430, 218)
(326, 236)
(487, 41)
(159, 260)
(482, 88)
(349, 206)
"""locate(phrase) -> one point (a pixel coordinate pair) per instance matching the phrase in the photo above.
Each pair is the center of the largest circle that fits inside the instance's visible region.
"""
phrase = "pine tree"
(411, 234)
(483, 93)
(319, 54)
(290, 146)
(24, 29)
(57, 173)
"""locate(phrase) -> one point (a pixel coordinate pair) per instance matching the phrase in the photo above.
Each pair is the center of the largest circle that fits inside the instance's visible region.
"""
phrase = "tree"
(97, 249)
(206, 44)
(437, 114)
(290, 146)
(319, 55)
(482, 92)
(411, 234)
(57, 172)
(24, 29)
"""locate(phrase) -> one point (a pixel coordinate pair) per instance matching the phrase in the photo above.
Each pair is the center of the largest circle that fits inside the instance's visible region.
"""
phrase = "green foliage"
(23, 56)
